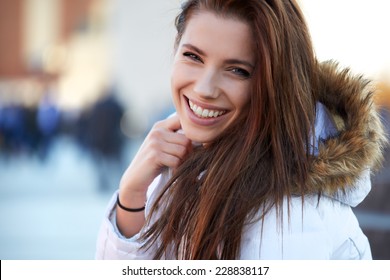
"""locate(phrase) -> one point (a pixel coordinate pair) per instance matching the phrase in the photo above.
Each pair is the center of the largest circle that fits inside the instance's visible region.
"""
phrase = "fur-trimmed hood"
(357, 145)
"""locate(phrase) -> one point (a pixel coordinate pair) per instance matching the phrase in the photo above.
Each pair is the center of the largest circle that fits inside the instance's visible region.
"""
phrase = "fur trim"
(361, 139)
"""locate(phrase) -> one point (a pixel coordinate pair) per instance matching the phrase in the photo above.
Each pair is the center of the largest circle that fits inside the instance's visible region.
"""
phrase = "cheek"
(178, 82)
(175, 79)
(182, 77)
(241, 100)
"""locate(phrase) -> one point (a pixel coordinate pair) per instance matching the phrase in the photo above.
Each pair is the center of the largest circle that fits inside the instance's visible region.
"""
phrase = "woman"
(266, 155)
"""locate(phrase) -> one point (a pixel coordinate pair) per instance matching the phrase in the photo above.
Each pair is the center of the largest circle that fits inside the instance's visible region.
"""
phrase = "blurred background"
(82, 81)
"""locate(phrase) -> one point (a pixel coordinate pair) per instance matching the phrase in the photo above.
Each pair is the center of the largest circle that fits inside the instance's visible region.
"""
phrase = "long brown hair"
(262, 158)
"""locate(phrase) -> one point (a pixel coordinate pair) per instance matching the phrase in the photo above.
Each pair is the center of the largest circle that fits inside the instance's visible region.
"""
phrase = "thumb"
(173, 122)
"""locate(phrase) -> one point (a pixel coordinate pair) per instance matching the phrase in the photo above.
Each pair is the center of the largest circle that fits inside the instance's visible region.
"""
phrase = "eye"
(240, 72)
(192, 56)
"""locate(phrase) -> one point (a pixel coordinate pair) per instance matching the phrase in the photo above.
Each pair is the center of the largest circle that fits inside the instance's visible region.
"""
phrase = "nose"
(206, 84)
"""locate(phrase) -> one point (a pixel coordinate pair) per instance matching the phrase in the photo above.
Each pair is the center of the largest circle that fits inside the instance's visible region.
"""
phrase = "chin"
(197, 137)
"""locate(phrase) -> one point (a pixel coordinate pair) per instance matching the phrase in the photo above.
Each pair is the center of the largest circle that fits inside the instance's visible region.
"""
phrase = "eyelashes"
(240, 72)
(192, 56)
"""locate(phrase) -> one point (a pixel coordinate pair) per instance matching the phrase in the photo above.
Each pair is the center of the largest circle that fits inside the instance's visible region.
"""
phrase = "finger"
(161, 132)
(170, 161)
(179, 151)
(176, 138)
(172, 123)
(163, 141)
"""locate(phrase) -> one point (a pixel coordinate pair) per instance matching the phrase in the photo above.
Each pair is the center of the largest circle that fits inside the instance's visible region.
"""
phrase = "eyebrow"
(190, 46)
(228, 61)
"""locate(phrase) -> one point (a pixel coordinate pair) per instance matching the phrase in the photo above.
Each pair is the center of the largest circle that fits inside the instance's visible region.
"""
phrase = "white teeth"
(204, 113)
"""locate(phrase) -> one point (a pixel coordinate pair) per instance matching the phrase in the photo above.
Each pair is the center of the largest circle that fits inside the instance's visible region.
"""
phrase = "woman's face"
(211, 77)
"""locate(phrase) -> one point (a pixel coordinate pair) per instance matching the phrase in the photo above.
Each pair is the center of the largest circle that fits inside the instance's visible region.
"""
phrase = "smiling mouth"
(205, 113)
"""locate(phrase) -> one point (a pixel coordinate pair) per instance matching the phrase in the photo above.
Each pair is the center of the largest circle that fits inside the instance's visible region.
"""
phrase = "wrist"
(128, 209)
(130, 199)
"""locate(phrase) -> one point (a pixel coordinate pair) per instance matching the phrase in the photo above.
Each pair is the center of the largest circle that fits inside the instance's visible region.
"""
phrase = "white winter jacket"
(326, 230)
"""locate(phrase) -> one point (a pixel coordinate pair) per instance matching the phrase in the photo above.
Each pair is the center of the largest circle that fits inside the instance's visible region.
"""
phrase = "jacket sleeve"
(111, 244)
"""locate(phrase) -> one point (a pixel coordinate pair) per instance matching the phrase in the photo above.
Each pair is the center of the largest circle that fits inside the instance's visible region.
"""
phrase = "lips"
(205, 112)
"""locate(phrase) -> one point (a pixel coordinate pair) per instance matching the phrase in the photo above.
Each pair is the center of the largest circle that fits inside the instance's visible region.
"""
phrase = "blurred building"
(52, 41)
(29, 27)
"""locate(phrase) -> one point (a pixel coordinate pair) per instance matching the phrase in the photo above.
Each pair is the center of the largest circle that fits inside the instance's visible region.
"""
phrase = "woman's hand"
(163, 147)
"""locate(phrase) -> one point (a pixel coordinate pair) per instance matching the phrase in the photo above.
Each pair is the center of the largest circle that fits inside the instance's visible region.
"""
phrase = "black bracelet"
(129, 209)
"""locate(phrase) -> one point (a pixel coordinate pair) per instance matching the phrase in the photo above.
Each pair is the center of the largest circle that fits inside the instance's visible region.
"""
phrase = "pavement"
(52, 209)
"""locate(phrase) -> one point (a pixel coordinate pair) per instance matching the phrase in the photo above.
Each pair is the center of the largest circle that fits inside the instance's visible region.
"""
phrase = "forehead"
(224, 35)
